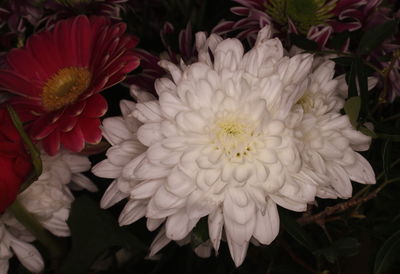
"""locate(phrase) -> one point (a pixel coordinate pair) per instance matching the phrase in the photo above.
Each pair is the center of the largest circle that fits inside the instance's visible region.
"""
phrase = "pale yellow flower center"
(64, 87)
(234, 137)
(306, 101)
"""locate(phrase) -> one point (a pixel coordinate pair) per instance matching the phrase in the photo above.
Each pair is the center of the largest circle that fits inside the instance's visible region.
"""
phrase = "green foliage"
(296, 231)
(93, 232)
(388, 254)
(376, 35)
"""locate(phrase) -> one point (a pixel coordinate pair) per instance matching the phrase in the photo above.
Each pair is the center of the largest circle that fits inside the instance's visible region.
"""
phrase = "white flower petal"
(146, 189)
(215, 225)
(28, 255)
(84, 182)
(115, 130)
(133, 211)
(148, 112)
(361, 171)
(238, 251)
(106, 169)
(288, 203)
(160, 241)
(153, 224)
(175, 72)
(178, 226)
(112, 196)
(267, 224)
(149, 134)
(340, 181)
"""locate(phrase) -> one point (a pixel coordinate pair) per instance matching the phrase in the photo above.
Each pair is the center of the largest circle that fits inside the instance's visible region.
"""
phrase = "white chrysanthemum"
(222, 141)
(328, 137)
(26, 253)
(49, 199)
(216, 144)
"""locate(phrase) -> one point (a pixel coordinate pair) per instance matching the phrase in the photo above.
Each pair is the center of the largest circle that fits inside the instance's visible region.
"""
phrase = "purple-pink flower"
(316, 19)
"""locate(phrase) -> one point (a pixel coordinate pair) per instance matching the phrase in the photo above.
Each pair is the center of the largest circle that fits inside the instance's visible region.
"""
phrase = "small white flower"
(328, 138)
(49, 199)
(222, 141)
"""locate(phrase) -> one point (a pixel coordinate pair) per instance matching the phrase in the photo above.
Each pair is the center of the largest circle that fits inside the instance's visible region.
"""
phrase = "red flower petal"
(18, 85)
(51, 144)
(67, 123)
(82, 29)
(63, 39)
(91, 130)
(42, 127)
(76, 109)
(73, 140)
(9, 184)
(42, 51)
(96, 106)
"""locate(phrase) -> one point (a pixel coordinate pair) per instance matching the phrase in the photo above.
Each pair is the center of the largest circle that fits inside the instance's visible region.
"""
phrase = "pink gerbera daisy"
(57, 77)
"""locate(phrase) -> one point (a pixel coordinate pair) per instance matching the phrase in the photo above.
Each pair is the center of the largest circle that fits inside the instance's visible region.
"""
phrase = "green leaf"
(343, 61)
(94, 231)
(352, 108)
(387, 254)
(296, 231)
(375, 36)
(343, 247)
(368, 132)
(362, 84)
(351, 80)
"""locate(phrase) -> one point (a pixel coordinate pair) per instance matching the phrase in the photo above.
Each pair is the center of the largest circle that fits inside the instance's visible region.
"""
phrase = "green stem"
(44, 237)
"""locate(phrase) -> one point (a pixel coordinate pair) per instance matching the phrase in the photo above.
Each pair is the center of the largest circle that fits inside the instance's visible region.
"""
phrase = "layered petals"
(79, 57)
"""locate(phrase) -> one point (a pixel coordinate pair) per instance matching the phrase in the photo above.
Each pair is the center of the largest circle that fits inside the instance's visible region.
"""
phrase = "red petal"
(76, 109)
(73, 140)
(42, 127)
(43, 51)
(24, 63)
(22, 166)
(8, 149)
(65, 39)
(9, 184)
(82, 29)
(91, 130)
(96, 106)
(51, 144)
(18, 84)
(67, 123)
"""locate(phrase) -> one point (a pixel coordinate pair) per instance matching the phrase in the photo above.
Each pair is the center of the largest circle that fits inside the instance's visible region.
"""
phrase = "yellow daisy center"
(64, 87)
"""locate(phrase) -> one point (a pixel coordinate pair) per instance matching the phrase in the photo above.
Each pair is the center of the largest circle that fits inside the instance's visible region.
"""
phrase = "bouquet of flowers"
(243, 136)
